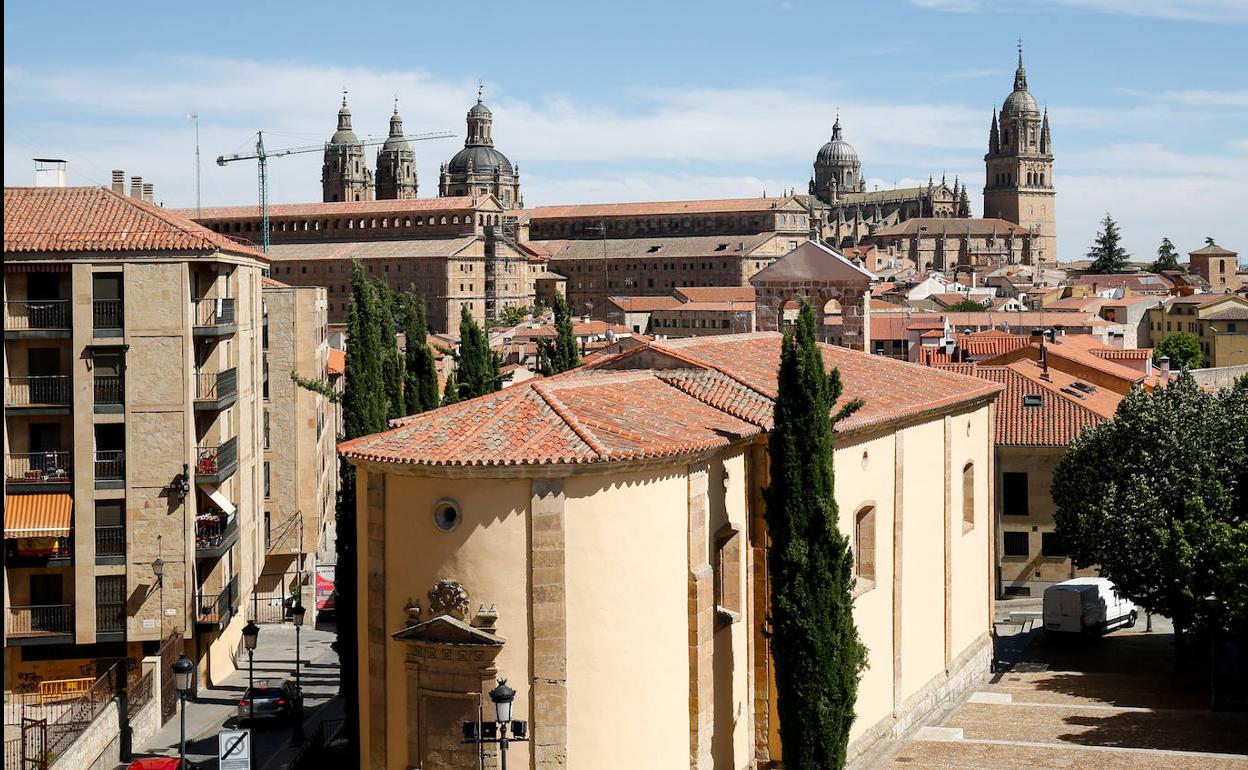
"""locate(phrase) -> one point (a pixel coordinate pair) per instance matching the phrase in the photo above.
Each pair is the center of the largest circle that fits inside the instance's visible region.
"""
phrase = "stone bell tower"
(344, 173)
(1019, 168)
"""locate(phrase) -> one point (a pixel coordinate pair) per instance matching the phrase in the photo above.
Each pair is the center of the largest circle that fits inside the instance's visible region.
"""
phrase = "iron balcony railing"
(110, 617)
(38, 467)
(110, 465)
(44, 390)
(38, 551)
(36, 314)
(213, 461)
(219, 608)
(214, 533)
(107, 313)
(39, 620)
(214, 312)
(216, 386)
(110, 541)
(110, 389)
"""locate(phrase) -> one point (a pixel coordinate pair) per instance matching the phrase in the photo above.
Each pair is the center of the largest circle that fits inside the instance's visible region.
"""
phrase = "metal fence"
(110, 389)
(169, 651)
(36, 314)
(38, 467)
(50, 390)
(39, 620)
(110, 465)
(110, 541)
(107, 313)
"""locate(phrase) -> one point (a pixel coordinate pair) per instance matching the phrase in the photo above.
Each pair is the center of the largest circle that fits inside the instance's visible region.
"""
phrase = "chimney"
(136, 187)
(1164, 365)
(149, 192)
(49, 172)
(119, 181)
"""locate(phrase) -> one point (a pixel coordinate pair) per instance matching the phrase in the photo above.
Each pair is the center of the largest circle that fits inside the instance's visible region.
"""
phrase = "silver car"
(270, 701)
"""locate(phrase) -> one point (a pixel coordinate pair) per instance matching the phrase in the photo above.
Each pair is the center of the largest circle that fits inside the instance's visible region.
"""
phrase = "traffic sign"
(234, 750)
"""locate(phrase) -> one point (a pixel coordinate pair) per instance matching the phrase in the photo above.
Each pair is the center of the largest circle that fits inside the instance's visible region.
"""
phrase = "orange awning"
(38, 515)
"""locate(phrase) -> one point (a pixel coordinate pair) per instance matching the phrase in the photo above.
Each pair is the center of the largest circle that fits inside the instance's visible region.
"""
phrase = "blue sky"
(640, 101)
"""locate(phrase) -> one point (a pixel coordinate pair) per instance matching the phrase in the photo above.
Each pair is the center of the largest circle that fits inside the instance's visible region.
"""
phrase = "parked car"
(270, 701)
(1086, 606)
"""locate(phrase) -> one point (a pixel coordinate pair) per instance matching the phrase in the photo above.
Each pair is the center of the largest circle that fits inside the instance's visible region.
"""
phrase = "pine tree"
(391, 372)
(560, 354)
(1167, 257)
(420, 376)
(1107, 254)
(818, 655)
(478, 366)
(364, 406)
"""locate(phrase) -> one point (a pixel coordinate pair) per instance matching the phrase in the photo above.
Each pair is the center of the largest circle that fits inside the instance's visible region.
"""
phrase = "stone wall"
(1219, 377)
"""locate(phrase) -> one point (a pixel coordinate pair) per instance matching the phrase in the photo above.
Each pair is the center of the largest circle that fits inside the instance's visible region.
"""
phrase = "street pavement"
(215, 708)
(1115, 702)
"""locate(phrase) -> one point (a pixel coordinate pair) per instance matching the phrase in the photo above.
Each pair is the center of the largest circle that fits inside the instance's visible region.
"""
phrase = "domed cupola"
(837, 168)
(396, 163)
(1020, 102)
(345, 175)
(479, 169)
(344, 134)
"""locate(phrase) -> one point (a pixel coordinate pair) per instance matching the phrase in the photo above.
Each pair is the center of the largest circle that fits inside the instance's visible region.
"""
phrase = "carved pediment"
(447, 629)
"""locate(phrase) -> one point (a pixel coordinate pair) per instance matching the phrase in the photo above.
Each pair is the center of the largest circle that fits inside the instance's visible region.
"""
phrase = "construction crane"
(261, 155)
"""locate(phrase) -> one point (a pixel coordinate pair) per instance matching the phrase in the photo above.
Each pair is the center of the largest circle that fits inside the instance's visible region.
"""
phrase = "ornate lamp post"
(182, 669)
(297, 614)
(251, 633)
(496, 732)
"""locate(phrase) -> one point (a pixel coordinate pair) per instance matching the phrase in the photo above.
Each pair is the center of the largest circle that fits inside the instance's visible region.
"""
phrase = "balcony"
(215, 464)
(38, 471)
(37, 319)
(39, 624)
(38, 395)
(215, 533)
(110, 621)
(106, 315)
(215, 391)
(215, 610)
(110, 545)
(39, 552)
(214, 317)
(110, 469)
(110, 393)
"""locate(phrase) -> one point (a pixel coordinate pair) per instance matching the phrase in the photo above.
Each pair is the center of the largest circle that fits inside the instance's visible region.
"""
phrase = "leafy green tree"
(559, 354)
(477, 366)
(1107, 254)
(364, 411)
(420, 375)
(391, 372)
(512, 316)
(819, 658)
(1156, 497)
(966, 306)
(1183, 350)
(1167, 257)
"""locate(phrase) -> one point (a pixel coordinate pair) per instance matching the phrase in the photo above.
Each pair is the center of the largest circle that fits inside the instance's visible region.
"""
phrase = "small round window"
(446, 514)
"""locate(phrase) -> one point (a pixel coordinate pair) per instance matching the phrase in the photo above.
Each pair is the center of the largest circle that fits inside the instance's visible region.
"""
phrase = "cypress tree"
(363, 412)
(420, 376)
(478, 366)
(451, 396)
(559, 354)
(818, 656)
(1167, 257)
(1107, 254)
(391, 372)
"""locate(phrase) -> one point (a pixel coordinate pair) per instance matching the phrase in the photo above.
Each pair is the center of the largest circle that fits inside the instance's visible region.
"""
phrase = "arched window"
(864, 543)
(968, 497)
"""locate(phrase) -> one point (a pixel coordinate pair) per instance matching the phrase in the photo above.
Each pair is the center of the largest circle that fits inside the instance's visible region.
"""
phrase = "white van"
(1086, 606)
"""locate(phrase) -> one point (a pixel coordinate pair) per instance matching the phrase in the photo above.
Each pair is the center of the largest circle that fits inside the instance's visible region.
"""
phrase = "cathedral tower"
(837, 169)
(344, 174)
(396, 163)
(479, 169)
(1019, 168)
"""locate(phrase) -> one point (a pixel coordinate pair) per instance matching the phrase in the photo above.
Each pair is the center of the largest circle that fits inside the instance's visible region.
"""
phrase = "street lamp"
(297, 614)
(182, 669)
(251, 632)
(496, 731)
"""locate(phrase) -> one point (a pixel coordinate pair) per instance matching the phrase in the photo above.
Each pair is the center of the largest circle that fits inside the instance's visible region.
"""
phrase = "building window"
(1015, 544)
(968, 497)
(728, 572)
(1014, 494)
(1051, 545)
(267, 485)
(110, 603)
(864, 547)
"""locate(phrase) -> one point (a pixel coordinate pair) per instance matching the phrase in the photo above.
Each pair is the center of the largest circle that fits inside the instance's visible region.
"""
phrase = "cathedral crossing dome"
(837, 150)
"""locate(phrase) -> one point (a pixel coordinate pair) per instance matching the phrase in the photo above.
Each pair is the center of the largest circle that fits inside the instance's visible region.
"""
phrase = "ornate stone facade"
(344, 174)
(396, 164)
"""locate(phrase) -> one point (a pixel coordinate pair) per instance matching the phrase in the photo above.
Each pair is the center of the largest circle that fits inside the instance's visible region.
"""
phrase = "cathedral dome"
(838, 150)
(395, 141)
(1019, 102)
(479, 110)
(484, 159)
(344, 134)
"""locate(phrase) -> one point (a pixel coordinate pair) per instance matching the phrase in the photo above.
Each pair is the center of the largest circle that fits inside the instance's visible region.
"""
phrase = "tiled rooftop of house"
(335, 208)
(664, 398)
(64, 220)
(715, 206)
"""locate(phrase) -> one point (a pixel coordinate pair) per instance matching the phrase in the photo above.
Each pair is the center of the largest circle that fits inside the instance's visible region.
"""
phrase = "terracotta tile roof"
(935, 226)
(1124, 354)
(991, 343)
(96, 219)
(1232, 313)
(339, 208)
(1079, 350)
(812, 261)
(1027, 318)
(365, 250)
(715, 293)
(658, 246)
(269, 283)
(659, 208)
(644, 304)
(1215, 250)
(661, 398)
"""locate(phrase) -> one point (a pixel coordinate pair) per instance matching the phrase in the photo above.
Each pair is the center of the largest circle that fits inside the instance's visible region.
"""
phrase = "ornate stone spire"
(1020, 74)
(994, 134)
(1045, 145)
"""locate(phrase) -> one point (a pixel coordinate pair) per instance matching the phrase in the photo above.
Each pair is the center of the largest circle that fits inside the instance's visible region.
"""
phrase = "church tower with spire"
(344, 174)
(1019, 168)
(396, 163)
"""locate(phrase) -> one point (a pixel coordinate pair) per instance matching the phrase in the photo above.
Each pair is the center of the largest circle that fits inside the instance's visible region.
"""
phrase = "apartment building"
(1220, 321)
(299, 438)
(133, 486)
